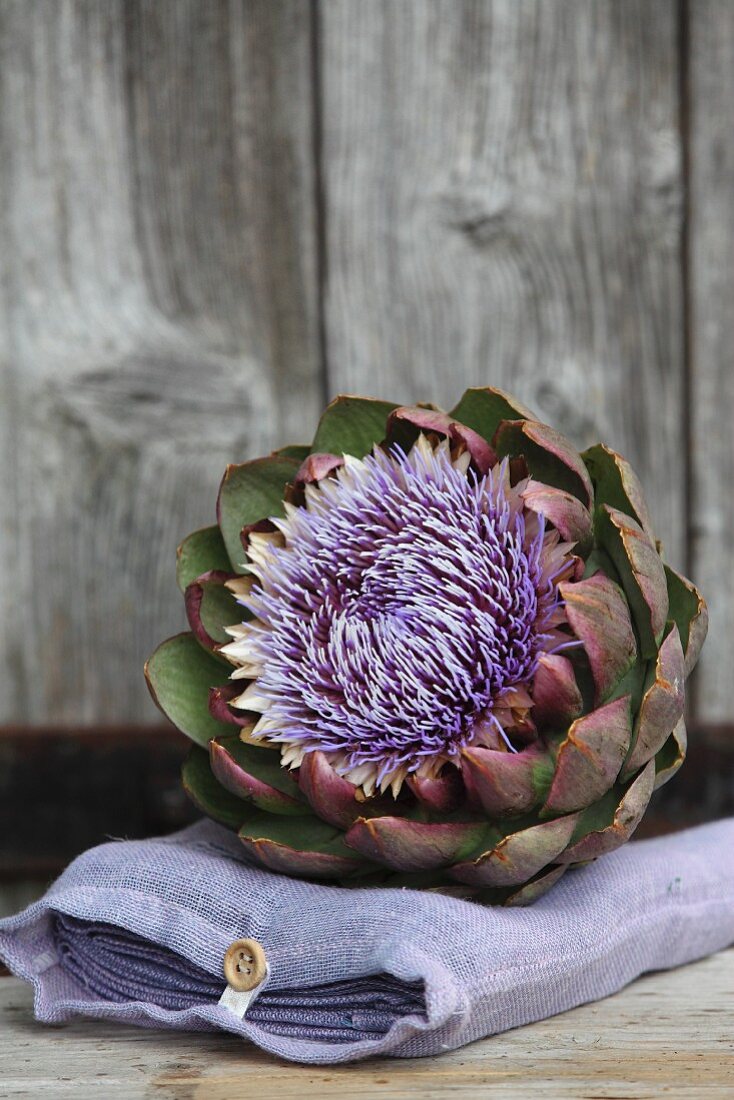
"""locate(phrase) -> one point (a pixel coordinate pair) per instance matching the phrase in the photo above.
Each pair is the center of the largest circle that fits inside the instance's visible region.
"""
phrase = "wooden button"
(245, 965)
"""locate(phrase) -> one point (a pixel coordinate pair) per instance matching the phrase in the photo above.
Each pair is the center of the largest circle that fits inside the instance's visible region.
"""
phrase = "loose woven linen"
(137, 931)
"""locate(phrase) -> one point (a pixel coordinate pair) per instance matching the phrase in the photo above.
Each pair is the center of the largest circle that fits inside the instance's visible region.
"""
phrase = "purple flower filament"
(409, 600)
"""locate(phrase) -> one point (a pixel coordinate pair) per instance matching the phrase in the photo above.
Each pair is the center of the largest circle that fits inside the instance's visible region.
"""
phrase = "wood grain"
(495, 187)
(503, 205)
(711, 234)
(159, 316)
(666, 1034)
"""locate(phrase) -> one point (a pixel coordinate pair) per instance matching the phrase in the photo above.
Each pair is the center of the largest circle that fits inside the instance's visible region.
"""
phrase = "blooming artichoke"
(433, 649)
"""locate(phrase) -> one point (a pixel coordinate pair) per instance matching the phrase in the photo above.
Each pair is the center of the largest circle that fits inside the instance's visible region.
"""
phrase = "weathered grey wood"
(503, 205)
(159, 315)
(711, 235)
(667, 1034)
(502, 202)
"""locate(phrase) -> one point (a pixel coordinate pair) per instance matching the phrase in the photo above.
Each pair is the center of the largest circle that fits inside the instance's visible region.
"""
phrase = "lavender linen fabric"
(136, 931)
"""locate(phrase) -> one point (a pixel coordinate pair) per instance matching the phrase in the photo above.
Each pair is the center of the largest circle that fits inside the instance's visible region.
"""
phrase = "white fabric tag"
(44, 961)
(240, 1002)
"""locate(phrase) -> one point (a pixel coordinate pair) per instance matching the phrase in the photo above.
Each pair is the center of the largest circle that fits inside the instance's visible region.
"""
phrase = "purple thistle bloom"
(400, 616)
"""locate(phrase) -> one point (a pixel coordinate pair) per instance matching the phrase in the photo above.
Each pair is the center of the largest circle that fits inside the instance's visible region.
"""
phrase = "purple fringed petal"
(432, 420)
(519, 856)
(318, 466)
(565, 511)
(556, 696)
(599, 616)
(662, 704)
(590, 757)
(440, 795)
(332, 797)
(406, 845)
(219, 705)
(287, 860)
(503, 782)
(208, 630)
(627, 817)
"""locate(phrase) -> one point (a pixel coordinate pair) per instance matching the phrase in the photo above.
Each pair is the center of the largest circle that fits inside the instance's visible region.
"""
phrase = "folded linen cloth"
(119, 966)
(137, 932)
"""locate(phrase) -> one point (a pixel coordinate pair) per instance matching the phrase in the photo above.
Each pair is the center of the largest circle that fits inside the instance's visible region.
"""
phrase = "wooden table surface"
(666, 1035)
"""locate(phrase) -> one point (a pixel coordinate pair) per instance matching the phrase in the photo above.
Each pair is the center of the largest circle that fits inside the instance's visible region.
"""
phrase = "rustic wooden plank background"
(503, 201)
(214, 215)
(161, 315)
(709, 412)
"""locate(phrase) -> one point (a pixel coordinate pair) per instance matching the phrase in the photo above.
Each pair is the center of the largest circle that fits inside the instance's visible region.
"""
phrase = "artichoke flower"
(437, 650)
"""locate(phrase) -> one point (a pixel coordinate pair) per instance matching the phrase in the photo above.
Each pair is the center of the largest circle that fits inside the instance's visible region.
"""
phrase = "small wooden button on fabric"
(245, 965)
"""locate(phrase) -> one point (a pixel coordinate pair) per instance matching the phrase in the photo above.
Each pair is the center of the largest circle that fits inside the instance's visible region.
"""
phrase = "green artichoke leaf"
(352, 426)
(689, 612)
(407, 844)
(599, 616)
(483, 408)
(585, 679)
(533, 889)
(507, 784)
(248, 772)
(549, 456)
(616, 483)
(642, 573)
(565, 511)
(542, 777)
(598, 816)
(298, 451)
(210, 797)
(611, 821)
(634, 683)
(661, 705)
(519, 856)
(670, 757)
(201, 552)
(249, 493)
(510, 896)
(407, 423)
(599, 561)
(179, 675)
(210, 608)
(305, 833)
(303, 846)
(589, 758)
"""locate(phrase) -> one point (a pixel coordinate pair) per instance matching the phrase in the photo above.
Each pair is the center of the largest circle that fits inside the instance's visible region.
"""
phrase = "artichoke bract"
(432, 649)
